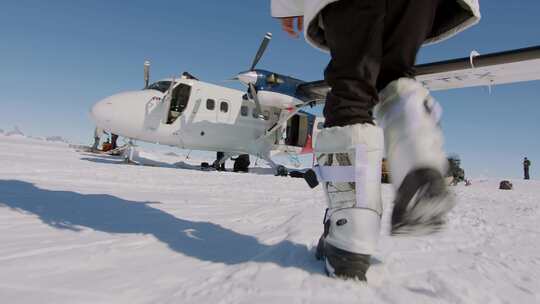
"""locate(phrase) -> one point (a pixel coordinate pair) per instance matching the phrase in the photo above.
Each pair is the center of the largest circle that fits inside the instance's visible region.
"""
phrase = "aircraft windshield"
(161, 86)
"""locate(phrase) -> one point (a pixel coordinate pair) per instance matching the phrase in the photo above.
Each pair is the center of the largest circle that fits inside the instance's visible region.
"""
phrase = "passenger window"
(224, 107)
(210, 104)
(244, 110)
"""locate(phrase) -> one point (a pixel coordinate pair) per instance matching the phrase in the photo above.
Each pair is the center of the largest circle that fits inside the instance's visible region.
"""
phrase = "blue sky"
(58, 57)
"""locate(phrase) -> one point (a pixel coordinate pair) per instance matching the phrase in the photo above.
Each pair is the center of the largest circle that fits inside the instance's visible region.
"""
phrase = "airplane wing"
(481, 70)
(313, 91)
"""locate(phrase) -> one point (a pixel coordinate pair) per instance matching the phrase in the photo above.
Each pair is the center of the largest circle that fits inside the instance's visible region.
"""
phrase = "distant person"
(114, 139)
(107, 146)
(219, 156)
(373, 46)
(97, 138)
(526, 165)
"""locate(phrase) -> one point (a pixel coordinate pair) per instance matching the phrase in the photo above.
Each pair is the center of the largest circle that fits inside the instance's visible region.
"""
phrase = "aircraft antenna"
(146, 74)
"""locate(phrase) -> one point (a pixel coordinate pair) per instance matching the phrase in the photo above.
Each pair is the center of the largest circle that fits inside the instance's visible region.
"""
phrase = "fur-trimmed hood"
(453, 18)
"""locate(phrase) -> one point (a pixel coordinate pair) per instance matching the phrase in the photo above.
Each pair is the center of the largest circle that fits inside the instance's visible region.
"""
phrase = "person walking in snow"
(219, 156)
(97, 138)
(373, 46)
(526, 165)
(114, 141)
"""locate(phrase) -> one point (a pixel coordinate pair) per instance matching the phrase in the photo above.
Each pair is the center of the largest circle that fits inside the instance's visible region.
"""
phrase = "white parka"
(463, 15)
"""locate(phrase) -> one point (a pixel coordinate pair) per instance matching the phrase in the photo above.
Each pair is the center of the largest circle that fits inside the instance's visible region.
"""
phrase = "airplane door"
(153, 113)
(223, 109)
(318, 126)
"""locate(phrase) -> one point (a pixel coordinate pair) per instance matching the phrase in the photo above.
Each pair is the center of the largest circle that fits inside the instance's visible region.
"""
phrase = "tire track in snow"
(55, 249)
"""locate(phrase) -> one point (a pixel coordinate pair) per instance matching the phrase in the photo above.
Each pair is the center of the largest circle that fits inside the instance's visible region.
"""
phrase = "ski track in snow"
(83, 228)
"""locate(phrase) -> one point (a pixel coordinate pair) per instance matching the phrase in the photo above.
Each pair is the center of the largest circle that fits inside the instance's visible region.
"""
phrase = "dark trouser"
(219, 156)
(114, 139)
(526, 169)
(372, 43)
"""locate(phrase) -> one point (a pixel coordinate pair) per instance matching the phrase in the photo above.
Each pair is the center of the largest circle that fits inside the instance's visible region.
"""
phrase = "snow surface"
(81, 228)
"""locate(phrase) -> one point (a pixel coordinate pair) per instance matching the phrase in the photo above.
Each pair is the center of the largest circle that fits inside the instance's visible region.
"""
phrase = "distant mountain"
(16, 131)
(56, 139)
(35, 138)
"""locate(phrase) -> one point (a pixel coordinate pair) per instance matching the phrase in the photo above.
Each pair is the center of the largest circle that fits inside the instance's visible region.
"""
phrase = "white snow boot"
(414, 142)
(349, 169)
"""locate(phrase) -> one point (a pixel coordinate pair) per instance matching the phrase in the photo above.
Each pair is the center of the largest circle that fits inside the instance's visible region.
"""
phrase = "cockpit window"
(274, 79)
(161, 86)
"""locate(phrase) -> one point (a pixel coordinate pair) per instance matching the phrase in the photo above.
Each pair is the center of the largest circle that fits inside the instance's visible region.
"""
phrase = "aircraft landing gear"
(241, 163)
(131, 154)
(282, 171)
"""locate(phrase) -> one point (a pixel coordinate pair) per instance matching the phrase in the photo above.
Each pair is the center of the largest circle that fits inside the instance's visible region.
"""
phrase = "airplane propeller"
(253, 93)
(250, 77)
(262, 49)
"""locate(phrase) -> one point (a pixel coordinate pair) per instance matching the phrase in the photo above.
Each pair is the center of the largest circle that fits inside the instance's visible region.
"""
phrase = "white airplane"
(192, 114)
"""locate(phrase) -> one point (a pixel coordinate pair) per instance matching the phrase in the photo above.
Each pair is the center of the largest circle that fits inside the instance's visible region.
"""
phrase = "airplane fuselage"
(198, 116)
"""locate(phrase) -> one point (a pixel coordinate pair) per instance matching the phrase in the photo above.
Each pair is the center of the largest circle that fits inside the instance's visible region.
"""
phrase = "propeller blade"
(253, 93)
(261, 50)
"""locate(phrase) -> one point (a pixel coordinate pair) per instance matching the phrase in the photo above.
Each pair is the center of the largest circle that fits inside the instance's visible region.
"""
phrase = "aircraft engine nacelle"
(277, 100)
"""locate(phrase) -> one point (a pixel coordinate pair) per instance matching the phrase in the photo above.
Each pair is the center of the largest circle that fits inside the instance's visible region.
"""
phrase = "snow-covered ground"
(81, 228)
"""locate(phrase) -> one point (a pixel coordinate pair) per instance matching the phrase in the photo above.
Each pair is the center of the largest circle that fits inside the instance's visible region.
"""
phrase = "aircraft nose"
(125, 113)
(101, 112)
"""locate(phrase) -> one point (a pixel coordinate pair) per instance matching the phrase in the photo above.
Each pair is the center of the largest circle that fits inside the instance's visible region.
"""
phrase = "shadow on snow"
(203, 240)
(115, 160)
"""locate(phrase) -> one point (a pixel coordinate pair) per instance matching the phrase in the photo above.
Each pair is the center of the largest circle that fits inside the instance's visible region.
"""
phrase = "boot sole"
(421, 204)
(343, 264)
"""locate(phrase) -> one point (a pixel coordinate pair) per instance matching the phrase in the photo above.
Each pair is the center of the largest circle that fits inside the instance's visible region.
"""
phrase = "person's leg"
(95, 146)
(114, 139)
(349, 150)
(354, 32)
(219, 156)
(409, 116)
(406, 26)
(349, 169)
